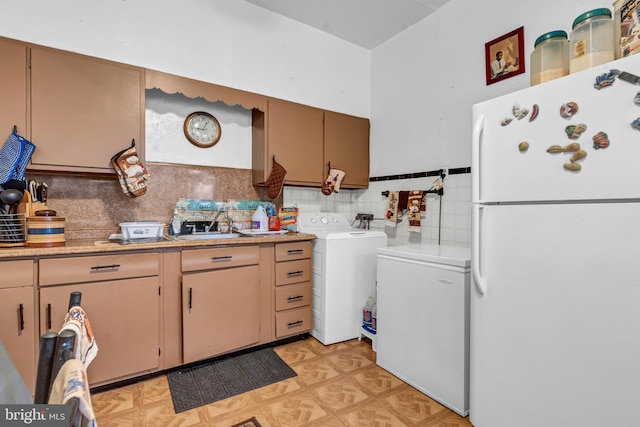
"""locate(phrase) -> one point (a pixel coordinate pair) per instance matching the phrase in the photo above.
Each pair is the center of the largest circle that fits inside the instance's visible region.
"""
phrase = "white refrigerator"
(555, 299)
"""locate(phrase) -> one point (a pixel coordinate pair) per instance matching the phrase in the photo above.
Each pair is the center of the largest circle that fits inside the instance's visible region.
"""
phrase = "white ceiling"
(366, 23)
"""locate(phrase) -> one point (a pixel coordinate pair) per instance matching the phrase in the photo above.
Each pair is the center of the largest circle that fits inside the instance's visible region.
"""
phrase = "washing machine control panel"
(309, 222)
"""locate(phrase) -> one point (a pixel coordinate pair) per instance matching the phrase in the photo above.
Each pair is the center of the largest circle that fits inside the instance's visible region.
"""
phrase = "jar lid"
(550, 35)
(592, 13)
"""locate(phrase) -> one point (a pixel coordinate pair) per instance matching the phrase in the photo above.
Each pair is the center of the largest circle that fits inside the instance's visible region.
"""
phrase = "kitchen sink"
(206, 236)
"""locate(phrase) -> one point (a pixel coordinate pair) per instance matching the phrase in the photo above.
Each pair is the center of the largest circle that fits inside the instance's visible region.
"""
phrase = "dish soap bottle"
(259, 221)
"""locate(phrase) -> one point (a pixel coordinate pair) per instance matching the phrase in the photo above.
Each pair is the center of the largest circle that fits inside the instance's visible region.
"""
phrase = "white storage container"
(591, 40)
(141, 229)
(550, 57)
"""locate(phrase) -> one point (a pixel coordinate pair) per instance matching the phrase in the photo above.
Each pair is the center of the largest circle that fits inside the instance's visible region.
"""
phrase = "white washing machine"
(344, 274)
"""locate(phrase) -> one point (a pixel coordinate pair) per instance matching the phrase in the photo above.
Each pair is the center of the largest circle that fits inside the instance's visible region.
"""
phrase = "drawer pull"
(105, 267)
(294, 324)
(221, 258)
(48, 316)
(190, 297)
(296, 298)
(295, 251)
(21, 317)
(295, 273)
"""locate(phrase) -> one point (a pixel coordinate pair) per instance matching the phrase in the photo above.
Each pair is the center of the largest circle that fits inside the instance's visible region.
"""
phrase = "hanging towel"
(14, 157)
(71, 382)
(336, 176)
(391, 217)
(413, 206)
(77, 321)
(403, 199)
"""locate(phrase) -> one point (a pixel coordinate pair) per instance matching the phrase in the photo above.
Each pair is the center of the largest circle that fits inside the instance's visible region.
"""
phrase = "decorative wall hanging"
(504, 56)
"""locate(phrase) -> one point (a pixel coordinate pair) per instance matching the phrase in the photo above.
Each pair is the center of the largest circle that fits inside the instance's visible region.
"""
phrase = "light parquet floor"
(338, 385)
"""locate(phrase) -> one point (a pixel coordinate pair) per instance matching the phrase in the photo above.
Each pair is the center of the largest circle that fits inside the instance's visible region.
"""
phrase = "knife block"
(29, 208)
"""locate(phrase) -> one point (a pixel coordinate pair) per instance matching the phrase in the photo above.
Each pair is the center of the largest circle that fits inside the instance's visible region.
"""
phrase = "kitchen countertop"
(104, 246)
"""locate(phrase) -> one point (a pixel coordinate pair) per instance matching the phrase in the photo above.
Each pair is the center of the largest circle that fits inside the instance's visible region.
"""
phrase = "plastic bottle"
(366, 311)
(374, 317)
(259, 221)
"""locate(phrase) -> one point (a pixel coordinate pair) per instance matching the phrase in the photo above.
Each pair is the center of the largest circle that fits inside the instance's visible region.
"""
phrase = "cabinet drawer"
(212, 258)
(293, 322)
(292, 251)
(55, 271)
(293, 296)
(293, 272)
(16, 273)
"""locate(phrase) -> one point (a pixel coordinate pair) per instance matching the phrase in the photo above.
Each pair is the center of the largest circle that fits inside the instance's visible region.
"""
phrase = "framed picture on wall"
(504, 56)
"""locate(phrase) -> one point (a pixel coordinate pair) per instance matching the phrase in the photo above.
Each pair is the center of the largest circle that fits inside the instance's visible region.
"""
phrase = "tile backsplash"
(447, 219)
(94, 206)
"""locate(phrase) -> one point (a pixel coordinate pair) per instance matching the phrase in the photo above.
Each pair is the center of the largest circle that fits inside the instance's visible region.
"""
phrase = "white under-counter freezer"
(423, 319)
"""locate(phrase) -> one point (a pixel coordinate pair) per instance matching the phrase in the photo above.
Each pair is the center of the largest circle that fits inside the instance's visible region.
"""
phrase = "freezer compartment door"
(503, 173)
(555, 337)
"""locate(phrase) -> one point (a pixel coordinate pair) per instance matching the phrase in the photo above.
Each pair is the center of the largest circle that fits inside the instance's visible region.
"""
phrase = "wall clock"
(202, 129)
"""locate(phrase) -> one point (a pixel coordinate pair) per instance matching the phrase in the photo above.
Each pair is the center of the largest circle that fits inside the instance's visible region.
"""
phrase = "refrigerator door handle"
(475, 250)
(478, 126)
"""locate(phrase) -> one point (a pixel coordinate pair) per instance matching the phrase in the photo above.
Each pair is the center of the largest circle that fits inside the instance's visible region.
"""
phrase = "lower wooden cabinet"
(125, 320)
(121, 297)
(292, 288)
(198, 303)
(220, 300)
(17, 330)
(220, 311)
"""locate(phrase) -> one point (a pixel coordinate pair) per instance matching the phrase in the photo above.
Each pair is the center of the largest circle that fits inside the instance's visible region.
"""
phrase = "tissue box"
(141, 229)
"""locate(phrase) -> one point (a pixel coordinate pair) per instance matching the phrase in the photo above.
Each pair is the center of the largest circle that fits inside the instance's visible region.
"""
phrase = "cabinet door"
(13, 87)
(17, 330)
(83, 110)
(346, 146)
(295, 134)
(124, 316)
(221, 311)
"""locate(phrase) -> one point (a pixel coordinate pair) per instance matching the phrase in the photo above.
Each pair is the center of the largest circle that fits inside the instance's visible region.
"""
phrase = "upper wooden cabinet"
(170, 83)
(83, 111)
(293, 134)
(304, 140)
(13, 87)
(346, 147)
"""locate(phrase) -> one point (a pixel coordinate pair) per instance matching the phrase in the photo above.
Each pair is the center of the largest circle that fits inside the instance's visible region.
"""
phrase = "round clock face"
(202, 129)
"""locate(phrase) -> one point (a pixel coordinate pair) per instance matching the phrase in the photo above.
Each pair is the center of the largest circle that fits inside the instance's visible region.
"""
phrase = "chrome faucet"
(215, 220)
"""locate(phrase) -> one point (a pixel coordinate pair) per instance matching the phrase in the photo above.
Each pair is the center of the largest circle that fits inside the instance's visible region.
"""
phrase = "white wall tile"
(453, 227)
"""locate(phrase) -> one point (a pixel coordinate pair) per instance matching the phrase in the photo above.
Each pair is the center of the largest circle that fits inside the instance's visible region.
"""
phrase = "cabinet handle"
(294, 324)
(48, 316)
(104, 267)
(21, 317)
(295, 273)
(292, 299)
(294, 251)
(190, 296)
(221, 258)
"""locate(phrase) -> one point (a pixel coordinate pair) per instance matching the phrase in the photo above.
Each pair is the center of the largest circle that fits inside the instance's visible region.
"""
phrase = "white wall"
(423, 84)
(228, 42)
(424, 80)
(165, 140)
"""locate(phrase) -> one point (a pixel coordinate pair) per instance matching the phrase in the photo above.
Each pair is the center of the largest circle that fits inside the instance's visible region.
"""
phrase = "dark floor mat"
(212, 381)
